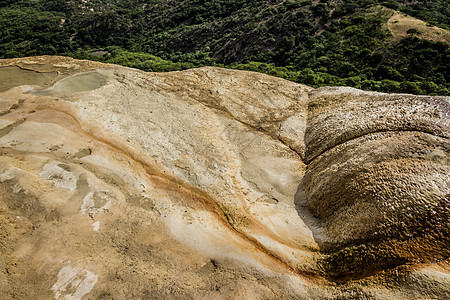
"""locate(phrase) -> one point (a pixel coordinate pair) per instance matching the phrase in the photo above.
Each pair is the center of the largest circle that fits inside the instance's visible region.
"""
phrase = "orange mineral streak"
(47, 110)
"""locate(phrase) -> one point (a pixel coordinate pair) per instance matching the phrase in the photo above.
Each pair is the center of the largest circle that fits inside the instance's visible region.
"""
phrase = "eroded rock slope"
(216, 184)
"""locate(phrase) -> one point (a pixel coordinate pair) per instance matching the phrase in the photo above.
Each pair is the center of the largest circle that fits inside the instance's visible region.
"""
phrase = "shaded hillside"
(312, 42)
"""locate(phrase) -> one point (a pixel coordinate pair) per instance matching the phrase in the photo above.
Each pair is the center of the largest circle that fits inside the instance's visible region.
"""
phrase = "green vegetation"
(313, 42)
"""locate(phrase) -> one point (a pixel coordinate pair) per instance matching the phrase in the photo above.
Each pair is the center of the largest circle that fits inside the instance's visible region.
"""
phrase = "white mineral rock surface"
(217, 184)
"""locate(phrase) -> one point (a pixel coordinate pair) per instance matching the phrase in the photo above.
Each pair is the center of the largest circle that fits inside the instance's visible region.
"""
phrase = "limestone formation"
(217, 184)
(377, 179)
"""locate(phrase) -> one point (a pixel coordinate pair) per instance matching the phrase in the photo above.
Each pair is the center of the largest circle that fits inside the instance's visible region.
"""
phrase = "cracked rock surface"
(217, 184)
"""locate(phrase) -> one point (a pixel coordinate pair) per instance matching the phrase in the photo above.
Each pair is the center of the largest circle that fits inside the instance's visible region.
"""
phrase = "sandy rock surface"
(217, 184)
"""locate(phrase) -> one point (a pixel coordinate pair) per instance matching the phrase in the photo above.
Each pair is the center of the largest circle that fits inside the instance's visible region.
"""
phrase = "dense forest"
(326, 42)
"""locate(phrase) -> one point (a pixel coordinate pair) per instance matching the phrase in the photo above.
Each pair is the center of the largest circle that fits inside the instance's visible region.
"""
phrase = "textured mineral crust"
(217, 184)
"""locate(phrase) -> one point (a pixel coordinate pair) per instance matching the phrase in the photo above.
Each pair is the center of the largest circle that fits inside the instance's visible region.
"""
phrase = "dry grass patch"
(399, 24)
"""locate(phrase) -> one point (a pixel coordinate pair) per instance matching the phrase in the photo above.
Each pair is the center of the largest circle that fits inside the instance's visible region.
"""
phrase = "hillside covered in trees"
(373, 45)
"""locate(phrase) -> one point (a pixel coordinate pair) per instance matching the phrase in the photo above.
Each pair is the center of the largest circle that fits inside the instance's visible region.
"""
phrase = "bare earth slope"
(217, 184)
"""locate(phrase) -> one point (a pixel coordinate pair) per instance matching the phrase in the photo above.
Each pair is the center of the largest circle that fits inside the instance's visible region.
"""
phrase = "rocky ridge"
(214, 183)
